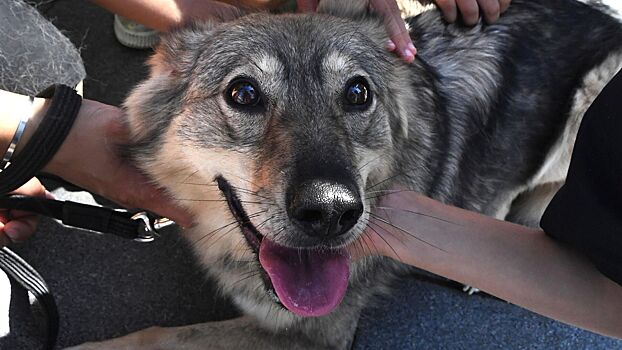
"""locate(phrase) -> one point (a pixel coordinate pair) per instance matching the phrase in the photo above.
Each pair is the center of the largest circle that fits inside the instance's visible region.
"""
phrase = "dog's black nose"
(324, 208)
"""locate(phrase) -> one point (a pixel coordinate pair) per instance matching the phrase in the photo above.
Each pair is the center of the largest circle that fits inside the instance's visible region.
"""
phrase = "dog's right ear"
(353, 9)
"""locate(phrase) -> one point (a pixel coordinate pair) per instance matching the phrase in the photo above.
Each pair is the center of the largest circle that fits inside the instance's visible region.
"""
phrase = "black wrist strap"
(46, 140)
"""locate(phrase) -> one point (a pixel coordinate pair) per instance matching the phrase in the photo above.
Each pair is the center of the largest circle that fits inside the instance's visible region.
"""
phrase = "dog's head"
(277, 132)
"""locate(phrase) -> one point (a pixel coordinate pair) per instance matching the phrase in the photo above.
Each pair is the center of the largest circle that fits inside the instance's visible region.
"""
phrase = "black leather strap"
(88, 217)
(46, 140)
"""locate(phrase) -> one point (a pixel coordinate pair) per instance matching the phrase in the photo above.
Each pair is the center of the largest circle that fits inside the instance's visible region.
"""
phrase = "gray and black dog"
(279, 131)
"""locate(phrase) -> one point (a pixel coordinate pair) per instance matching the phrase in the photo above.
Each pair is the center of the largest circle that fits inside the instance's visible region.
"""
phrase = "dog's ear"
(175, 54)
(152, 103)
(354, 9)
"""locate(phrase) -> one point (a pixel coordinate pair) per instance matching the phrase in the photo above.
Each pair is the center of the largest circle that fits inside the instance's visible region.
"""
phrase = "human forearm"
(521, 265)
(163, 15)
(88, 156)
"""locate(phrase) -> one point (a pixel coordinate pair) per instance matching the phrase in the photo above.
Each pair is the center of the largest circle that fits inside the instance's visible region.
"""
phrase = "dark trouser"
(424, 315)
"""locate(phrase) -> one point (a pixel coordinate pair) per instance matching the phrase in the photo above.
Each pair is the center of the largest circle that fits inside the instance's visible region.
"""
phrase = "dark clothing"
(586, 213)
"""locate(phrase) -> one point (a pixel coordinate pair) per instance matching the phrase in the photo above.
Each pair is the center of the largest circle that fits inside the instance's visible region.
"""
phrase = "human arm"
(163, 15)
(17, 226)
(400, 41)
(521, 265)
(88, 158)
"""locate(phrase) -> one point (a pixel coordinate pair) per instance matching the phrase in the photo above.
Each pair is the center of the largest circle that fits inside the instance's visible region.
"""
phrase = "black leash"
(140, 226)
(24, 274)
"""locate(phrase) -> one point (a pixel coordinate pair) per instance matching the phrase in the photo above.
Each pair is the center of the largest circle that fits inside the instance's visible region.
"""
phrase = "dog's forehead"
(297, 47)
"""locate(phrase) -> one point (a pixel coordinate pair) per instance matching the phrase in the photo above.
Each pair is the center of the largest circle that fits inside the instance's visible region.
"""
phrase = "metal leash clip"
(148, 227)
(145, 232)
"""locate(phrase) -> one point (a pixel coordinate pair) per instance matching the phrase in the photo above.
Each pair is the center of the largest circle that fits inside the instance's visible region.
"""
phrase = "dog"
(280, 132)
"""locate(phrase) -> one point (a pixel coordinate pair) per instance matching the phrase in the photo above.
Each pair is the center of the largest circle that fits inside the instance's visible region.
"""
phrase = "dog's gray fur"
(484, 116)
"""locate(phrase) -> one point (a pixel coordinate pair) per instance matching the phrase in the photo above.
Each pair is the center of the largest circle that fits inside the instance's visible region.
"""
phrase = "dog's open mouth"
(308, 282)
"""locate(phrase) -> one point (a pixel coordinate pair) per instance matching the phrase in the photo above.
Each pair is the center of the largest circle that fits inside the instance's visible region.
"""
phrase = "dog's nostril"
(324, 208)
(349, 218)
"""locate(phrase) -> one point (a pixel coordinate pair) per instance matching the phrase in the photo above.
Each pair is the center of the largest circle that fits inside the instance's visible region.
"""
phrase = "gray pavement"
(106, 287)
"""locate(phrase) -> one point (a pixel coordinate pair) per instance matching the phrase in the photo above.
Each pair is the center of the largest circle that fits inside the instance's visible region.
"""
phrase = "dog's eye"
(357, 93)
(243, 93)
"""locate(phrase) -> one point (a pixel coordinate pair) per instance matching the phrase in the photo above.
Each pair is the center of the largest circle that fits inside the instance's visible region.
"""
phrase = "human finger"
(469, 10)
(307, 5)
(396, 28)
(490, 10)
(448, 9)
(19, 230)
(504, 4)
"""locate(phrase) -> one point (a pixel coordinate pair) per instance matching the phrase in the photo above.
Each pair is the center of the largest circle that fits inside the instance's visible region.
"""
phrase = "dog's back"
(510, 98)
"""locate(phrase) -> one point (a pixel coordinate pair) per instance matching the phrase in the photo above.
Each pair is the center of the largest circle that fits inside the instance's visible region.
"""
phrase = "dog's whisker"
(384, 239)
(225, 226)
(252, 193)
(364, 241)
(243, 179)
(209, 184)
(378, 218)
(222, 201)
(418, 214)
(245, 278)
(212, 242)
(386, 180)
(212, 232)
(369, 162)
(233, 228)
(279, 231)
(387, 192)
(175, 174)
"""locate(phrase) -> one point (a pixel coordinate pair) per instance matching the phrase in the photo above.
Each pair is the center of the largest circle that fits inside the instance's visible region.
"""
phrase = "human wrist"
(45, 139)
(37, 113)
(14, 108)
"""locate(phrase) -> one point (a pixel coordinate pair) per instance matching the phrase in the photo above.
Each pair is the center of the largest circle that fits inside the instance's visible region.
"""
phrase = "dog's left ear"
(353, 9)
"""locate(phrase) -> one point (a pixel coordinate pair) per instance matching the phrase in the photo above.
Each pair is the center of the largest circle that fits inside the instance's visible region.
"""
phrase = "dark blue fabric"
(423, 315)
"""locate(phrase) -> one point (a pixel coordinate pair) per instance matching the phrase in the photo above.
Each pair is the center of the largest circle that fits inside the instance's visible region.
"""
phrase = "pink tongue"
(308, 283)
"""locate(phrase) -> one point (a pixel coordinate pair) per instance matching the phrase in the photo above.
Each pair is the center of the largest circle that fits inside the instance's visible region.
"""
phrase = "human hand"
(470, 10)
(399, 38)
(88, 159)
(16, 226)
